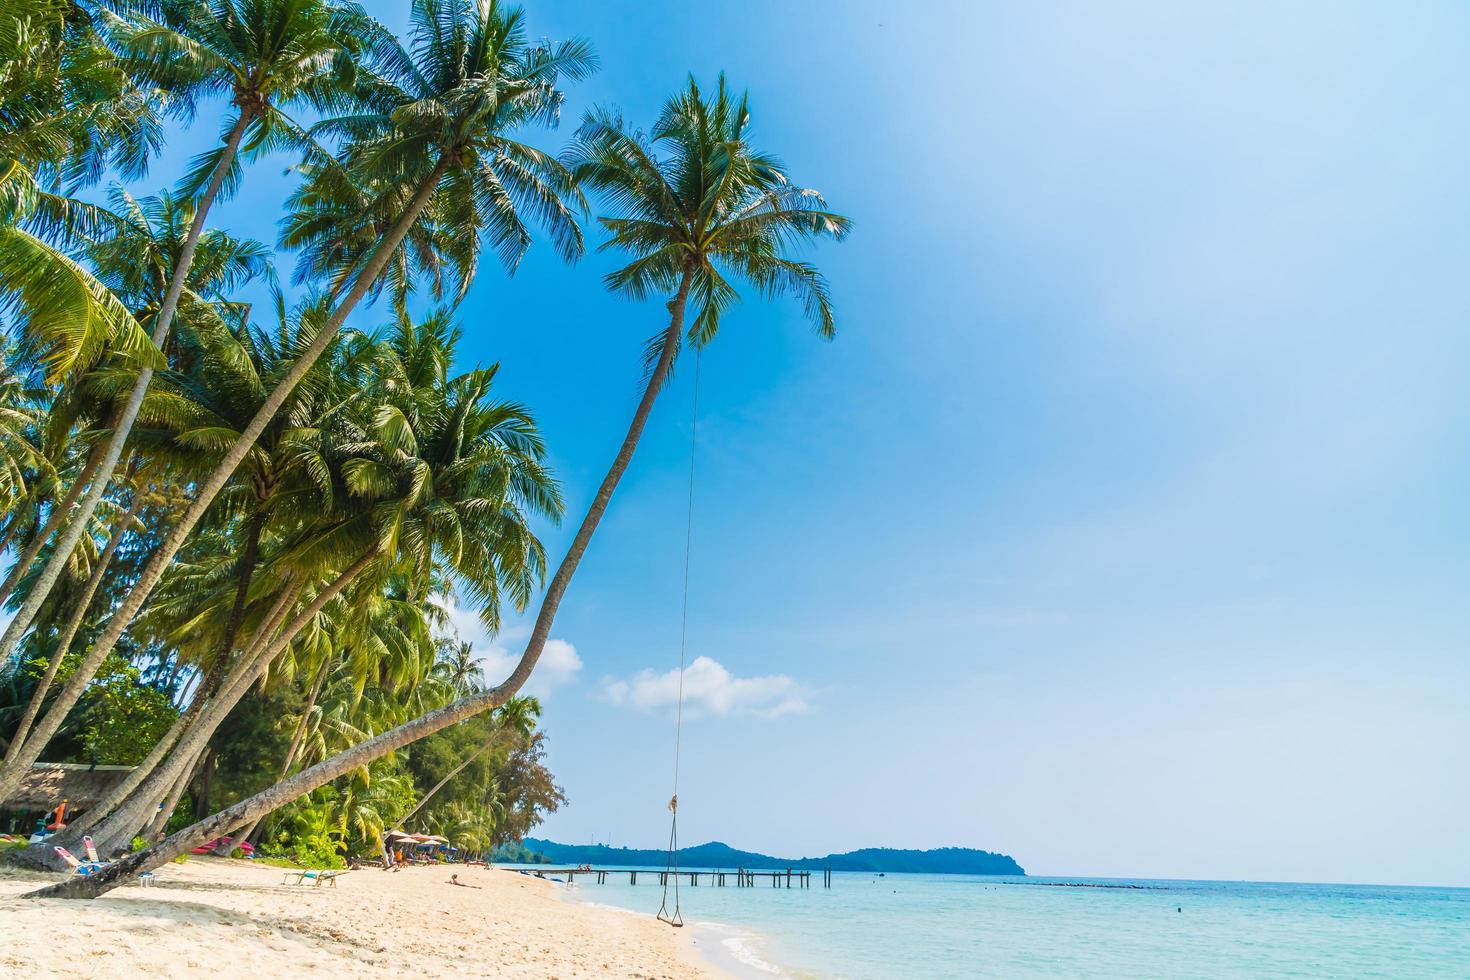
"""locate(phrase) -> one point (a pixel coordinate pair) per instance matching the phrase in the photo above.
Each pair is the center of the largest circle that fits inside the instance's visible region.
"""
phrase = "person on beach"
(454, 880)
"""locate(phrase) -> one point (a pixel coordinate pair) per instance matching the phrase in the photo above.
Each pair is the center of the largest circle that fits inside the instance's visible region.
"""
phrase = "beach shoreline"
(731, 950)
(230, 918)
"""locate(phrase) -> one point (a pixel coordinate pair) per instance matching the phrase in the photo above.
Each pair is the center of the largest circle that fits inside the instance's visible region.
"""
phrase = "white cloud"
(559, 664)
(708, 688)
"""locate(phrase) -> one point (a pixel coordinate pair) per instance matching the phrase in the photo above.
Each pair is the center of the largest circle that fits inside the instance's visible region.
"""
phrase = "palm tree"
(459, 666)
(712, 207)
(69, 110)
(20, 403)
(447, 109)
(264, 54)
(445, 480)
(513, 722)
(66, 112)
(135, 263)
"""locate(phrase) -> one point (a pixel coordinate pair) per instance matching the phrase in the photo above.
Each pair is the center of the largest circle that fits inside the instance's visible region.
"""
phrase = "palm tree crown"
(711, 208)
(264, 55)
(444, 110)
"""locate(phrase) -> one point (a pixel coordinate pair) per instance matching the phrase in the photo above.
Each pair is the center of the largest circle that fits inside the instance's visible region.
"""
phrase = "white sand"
(220, 918)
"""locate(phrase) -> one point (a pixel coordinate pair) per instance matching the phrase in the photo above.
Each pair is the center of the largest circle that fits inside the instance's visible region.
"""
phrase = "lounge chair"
(79, 867)
(316, 877)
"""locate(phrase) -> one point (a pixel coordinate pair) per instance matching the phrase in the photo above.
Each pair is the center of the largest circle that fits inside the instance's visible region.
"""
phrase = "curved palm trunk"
(120, 826)
(205, 494)
(124, 790)
(78, 522)
(255, 807)
(216, 677)
(78, 615)
(53, 520)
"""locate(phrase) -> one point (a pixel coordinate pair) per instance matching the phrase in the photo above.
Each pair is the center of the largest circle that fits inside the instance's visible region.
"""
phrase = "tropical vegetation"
(231, 521)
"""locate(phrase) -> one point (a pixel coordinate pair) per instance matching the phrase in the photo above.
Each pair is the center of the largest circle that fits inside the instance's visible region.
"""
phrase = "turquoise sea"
(900, 926)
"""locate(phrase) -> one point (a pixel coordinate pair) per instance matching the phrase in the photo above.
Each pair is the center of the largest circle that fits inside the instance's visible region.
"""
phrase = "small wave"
(740, 946)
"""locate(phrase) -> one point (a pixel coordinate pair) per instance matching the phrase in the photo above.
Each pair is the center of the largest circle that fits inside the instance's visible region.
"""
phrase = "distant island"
(942, 860)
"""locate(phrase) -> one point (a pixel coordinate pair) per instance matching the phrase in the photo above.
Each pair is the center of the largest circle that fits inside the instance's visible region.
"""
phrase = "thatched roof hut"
(48, 783)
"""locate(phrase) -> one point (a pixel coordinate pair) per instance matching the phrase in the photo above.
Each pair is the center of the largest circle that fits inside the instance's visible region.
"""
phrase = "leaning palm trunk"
(205, 494)
(283, 792)
(214, 679)
(44, 856)
(12, 528)
(75, 623)
(78, 522)
(123, 790)
(119, 828)
(53, 520)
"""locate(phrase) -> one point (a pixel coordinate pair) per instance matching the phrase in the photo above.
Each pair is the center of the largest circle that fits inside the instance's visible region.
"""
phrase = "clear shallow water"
(957, 925)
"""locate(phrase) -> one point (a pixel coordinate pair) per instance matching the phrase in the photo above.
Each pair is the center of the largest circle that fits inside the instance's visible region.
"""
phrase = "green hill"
(943, 860)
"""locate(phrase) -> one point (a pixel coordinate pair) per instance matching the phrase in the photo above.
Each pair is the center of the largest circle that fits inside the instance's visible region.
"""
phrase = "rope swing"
(671, 866)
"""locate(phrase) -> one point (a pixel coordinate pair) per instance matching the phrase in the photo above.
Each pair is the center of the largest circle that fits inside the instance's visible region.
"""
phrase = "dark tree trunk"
(201, 795)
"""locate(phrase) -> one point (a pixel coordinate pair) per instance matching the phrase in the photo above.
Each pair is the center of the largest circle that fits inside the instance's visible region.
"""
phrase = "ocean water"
(900, 926)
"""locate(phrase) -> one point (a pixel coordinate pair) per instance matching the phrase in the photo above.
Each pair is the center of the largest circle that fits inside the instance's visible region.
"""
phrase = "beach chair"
(315, 877)
(79, 867)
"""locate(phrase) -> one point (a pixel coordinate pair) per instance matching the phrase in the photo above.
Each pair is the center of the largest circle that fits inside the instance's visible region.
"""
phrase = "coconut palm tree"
(21, 400)
(265, 55)
(203, 604)
(513, 722)
(135, 262)
(709, 208)
(459, 666)
(67, 112)
(445, 481)
(471, 79)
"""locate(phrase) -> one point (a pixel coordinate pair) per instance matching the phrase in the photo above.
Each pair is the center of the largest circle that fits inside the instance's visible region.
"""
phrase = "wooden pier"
(718, 879)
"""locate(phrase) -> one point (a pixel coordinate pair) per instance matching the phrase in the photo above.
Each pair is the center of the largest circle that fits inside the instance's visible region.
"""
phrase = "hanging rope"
(671, 866)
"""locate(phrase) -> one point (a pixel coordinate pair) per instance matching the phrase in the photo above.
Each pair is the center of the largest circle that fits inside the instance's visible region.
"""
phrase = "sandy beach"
(211, 916)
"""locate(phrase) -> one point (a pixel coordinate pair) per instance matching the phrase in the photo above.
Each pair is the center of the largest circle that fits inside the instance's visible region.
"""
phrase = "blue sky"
(1123, 527)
